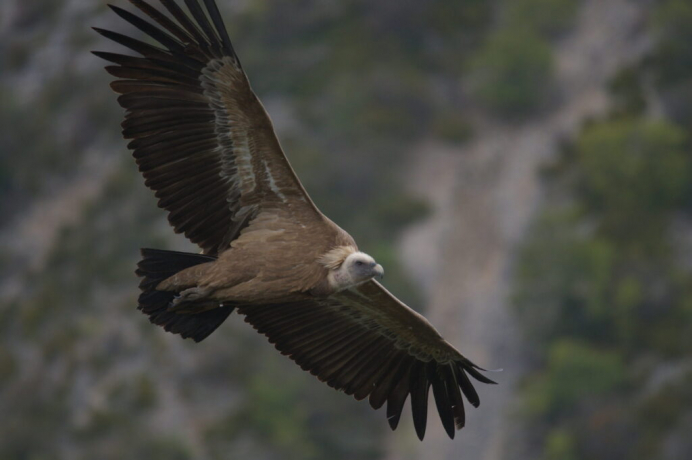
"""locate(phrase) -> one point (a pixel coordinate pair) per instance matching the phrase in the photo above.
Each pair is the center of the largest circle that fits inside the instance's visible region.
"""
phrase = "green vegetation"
(513, 70)
(673, 57)
(546, 17)
(601, 284)
(671, 62)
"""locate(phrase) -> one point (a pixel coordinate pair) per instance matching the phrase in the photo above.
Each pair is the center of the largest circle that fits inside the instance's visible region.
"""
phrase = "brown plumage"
(207, 148)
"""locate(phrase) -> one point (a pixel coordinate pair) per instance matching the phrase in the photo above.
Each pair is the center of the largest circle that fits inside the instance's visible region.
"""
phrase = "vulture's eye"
(359, 263)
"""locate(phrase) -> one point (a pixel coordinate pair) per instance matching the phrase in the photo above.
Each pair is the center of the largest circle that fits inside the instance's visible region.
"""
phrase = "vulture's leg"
(193, 300)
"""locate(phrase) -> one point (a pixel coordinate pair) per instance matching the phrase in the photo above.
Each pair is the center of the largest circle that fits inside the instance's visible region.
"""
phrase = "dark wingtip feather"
(442, 401)
(135, 45)
(393, 419)
(101, 55)
(398, 366)
(148, 28)
(163, 21)
(201, 18)
(396, 399)
(106, 56)
(454, 395)
(216, 18)
(471, 369)
(467, 387)
(420, 386)
(184, 21)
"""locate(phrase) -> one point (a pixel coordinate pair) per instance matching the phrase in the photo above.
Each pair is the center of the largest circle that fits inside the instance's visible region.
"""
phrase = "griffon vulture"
(206, 147)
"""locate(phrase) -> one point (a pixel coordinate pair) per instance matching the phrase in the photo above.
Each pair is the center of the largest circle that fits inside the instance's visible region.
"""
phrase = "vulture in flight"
(207, 148)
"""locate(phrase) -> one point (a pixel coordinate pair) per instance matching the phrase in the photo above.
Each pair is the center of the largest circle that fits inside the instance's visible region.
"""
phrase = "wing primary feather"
(162, 20)
(304, 336)
(202, 20)
(135, 86)
(195, 222)
(216, 18)
(467, 387)
(149, 29)
(348, 365)
(188, 216)
(384, 381)
(151, 52)
(135, 45)
(170, 171)
(166, 184)
(120, 59)
(155, 128)
(333, 363)
(199, 212)
(271, 319)
(296, 329)
(442, 400)
(282, 316)
(152, 146)
(305, 345)
(315, 347)
(163, 116)
(471, 369)
(162, 93)
(292, 321)
(169, 114)
(162, 63)
(150, 65)
(362, 367)
(152, 74)
(185, 21)
(397, 397)
(199, 193)
(420, 386)
(136, 102)
(374, 369)
(168, 140)
(378, 395)
(269, 315)
(188, 66)
(283, 344)
(183, 161)
(454, 393)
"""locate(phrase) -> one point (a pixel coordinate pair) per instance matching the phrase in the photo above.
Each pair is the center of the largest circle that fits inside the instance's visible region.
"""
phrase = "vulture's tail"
(157, 265)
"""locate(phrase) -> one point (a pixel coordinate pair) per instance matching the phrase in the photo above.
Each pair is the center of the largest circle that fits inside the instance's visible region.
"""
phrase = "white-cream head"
(362, 267)
(348, 267)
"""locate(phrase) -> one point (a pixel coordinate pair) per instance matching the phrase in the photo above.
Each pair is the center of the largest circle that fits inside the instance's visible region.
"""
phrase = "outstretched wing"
(200, 136)
(367, 343)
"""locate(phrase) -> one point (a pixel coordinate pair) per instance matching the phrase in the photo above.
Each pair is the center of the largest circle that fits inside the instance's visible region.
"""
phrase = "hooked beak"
(378, 271)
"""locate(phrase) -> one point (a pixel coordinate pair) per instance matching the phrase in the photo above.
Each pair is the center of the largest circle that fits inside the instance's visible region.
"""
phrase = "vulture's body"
(206, 146)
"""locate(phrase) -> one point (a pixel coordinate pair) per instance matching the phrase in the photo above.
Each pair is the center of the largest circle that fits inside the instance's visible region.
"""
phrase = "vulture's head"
(362, 267)
(349, 267)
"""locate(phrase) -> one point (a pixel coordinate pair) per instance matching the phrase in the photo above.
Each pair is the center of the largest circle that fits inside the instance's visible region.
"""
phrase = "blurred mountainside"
(520, 167)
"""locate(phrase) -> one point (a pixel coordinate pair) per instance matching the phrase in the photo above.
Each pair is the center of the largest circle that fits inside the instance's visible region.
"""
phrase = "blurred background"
(521, 168)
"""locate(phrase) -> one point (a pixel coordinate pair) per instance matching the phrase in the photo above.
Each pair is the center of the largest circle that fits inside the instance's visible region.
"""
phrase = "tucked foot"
(193, 300)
